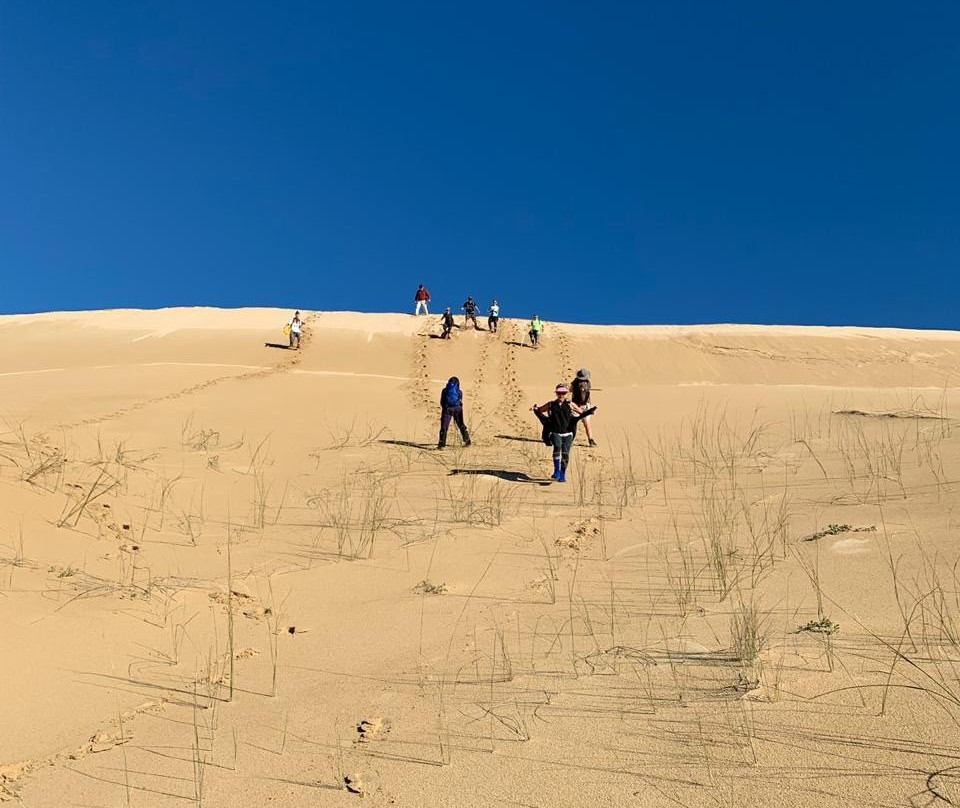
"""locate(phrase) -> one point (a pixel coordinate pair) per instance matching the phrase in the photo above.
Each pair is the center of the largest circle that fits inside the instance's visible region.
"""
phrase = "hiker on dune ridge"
(470, 313)
(447, 322)
(493, 317)
(536, 328)
(421, 298)
(296, 327)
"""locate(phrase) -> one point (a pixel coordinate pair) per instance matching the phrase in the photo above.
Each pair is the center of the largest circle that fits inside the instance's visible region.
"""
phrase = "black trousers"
(456, 415)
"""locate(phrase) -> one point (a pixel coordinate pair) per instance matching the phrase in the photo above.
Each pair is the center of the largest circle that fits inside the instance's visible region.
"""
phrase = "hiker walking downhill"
(580, 394)
(493, 317)
(447, 322)
(296, 327)
(470, 313)
(451, 409)
(421, 298)
(536, 328)
(559, 419)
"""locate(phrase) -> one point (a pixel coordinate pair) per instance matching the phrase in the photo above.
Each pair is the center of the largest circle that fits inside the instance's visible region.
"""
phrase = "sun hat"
(561, 388)
(583, 373)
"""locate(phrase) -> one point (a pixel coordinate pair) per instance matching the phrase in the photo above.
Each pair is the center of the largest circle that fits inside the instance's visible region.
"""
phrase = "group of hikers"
(421, 300)
(558, 418)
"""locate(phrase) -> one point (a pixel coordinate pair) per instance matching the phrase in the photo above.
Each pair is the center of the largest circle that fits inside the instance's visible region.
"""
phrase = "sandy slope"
(630, 638)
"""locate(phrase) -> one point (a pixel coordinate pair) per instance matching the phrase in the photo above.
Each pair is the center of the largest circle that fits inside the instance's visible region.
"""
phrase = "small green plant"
(427, 587)
(198, 440)
(836, 530)
(822, 626)
(747, 629)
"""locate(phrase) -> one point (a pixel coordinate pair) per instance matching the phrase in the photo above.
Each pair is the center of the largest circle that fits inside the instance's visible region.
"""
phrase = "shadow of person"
(409, 443)
(276, 345)
(518, 438)
(509, 476)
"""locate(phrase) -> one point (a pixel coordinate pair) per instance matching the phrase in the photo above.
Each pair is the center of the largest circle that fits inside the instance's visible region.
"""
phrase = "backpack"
(581, 391)
(452, 396)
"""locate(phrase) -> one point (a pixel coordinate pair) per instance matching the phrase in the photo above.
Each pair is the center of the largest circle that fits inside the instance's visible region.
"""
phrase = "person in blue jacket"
(451, 408)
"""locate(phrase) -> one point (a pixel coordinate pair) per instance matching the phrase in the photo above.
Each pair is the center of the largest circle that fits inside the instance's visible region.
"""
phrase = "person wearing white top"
(296, 327)
(493, 317)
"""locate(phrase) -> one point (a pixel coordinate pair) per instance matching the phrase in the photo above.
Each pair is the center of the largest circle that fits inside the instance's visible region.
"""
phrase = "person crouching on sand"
(559, 419)
(296, 327)
(451, 408)
(447, 322)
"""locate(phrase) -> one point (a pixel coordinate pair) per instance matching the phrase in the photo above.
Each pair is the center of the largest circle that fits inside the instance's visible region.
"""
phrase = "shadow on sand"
(518, 438)
(409, 443)
(509, 476)
(276, 345)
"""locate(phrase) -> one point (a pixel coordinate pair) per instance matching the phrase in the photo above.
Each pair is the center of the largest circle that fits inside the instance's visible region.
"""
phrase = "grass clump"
(822, 626)
(427, 587)
(747, 629)
(836, 530)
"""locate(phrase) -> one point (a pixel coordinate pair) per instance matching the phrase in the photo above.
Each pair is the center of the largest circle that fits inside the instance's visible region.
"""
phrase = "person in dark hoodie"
(559, 419)
(451, 408)
(447, 322)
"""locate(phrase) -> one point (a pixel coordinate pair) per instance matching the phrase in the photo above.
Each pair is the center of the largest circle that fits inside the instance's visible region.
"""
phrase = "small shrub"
(822, 626)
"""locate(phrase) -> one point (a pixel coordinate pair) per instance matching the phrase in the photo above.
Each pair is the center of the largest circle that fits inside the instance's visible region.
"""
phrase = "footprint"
(374, 729)
(361, 782)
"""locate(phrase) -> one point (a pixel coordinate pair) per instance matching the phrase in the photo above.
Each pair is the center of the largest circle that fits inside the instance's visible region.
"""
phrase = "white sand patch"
(851, 546)
(29, 372)
(300, 372)
(141, 365)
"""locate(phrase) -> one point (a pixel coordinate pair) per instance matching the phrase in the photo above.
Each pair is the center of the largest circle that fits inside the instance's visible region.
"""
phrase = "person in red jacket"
(421, 298)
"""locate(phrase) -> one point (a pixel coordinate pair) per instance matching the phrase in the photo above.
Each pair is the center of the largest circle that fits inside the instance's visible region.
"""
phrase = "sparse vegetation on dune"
(739, 596)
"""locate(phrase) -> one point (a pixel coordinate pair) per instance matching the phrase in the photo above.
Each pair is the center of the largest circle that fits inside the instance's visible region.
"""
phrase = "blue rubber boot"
(556, 469)
(562, 477)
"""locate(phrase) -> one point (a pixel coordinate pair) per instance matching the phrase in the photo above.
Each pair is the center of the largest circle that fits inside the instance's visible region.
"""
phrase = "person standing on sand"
(536, 328)
(580, 394)
(451, 408)
(559, 419)
(493, 317)
(421, 298)
(296, 327)
(470, 313)
(447, 322)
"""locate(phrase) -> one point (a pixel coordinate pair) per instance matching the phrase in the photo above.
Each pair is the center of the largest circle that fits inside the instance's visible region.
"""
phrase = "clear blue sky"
(664, 162)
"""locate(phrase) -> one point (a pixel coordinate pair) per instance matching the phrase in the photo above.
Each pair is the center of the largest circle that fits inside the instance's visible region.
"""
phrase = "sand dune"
(235, 574)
